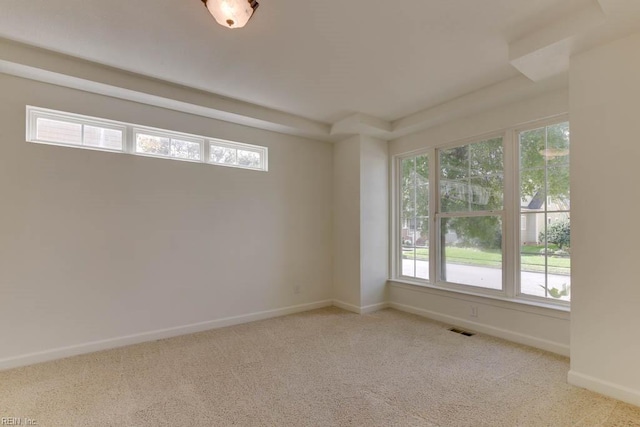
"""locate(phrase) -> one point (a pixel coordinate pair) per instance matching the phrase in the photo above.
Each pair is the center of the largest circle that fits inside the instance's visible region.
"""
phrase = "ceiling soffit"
(541, 55)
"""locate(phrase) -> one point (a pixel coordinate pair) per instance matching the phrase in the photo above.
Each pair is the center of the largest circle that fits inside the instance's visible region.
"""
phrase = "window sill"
(518, 304)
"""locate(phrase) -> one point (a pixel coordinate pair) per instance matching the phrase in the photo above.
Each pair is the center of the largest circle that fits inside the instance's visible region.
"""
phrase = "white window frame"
(140, 130)
(34, 113)
(262, 151)
(438, 216)
(129, 137)
(510, 219)
(516, 132)
(398, 214)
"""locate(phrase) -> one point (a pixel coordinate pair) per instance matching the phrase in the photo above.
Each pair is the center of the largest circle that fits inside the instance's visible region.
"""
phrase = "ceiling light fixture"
(231, 13)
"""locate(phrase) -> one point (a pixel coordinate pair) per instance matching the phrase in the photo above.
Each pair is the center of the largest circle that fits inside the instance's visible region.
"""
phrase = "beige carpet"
(322, 368)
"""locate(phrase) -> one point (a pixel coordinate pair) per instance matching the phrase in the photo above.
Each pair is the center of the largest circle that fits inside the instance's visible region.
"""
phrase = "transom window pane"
(150, 144)
(58, 131)
(103, 138)
(226, 154)
(248, 158)
(72, 133)
(168, 147)
(185, 149)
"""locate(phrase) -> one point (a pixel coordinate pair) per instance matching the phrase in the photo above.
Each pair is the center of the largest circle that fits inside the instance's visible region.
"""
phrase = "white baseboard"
(373, 307)
(90, 347)
(529, 340)
(346, 306)
(604, 387)
(360, 310)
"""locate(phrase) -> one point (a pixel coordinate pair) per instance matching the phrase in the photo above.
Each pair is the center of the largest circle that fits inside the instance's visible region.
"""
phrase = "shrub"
(558, 233)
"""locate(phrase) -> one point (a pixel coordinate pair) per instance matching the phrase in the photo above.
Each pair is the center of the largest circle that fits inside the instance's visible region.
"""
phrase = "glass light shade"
(231, 13)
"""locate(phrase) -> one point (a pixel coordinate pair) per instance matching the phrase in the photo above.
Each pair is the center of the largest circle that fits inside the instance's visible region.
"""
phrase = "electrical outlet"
(296, 289)
(474, 311)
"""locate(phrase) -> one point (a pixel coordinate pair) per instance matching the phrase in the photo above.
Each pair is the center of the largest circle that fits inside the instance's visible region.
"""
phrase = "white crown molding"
(49, 67)
(542, 56)
(37, 64)
(503, 93)
(362, 124)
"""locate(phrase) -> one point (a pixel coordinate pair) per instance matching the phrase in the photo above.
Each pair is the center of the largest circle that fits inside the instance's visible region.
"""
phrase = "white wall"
(97, 246)
(605, 134)
(540, 327)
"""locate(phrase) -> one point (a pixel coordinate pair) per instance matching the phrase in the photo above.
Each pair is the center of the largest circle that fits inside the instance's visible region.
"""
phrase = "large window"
(73, 130)
(489, 216)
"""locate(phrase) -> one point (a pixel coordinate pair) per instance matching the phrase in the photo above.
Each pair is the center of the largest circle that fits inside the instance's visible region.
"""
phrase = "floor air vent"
(461, 332)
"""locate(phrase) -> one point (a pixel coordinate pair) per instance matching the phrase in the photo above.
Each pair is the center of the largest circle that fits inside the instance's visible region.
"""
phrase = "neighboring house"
(532, 217)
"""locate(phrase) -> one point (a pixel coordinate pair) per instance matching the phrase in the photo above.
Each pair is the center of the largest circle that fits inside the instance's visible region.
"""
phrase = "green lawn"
(530, 258)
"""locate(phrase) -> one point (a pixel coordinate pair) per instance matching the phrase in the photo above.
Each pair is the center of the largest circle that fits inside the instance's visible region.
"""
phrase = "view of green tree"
(150, 144)
(544, 164)
(471, 179)
(415, 196)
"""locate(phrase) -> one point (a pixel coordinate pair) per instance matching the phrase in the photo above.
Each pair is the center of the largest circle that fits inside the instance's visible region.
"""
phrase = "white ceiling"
(322, 60)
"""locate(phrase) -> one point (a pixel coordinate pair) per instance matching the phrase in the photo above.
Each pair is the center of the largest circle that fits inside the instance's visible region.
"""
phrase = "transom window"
(464, 209)
(73, 130)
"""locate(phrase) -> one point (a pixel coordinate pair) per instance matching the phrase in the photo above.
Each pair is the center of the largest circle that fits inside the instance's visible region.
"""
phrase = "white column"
(605, 151)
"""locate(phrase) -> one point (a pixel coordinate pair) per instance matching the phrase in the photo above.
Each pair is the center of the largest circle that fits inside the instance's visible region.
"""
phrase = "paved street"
(487, 277)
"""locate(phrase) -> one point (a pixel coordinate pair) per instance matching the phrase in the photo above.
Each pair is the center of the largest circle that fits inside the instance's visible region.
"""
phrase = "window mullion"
(434, 203)
(130, 140)
(546, 214)
(511, 226)
(398, 241)
(415, 217)
(206, 151)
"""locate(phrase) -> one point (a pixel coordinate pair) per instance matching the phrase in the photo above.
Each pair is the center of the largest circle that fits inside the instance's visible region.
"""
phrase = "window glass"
(545, 244)
(58, 131)
(471, 177)
(414, 230)
(185, 149)
(472, 251)
(150, 144)
(240, 155)
(103, 138)
(224, 155)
